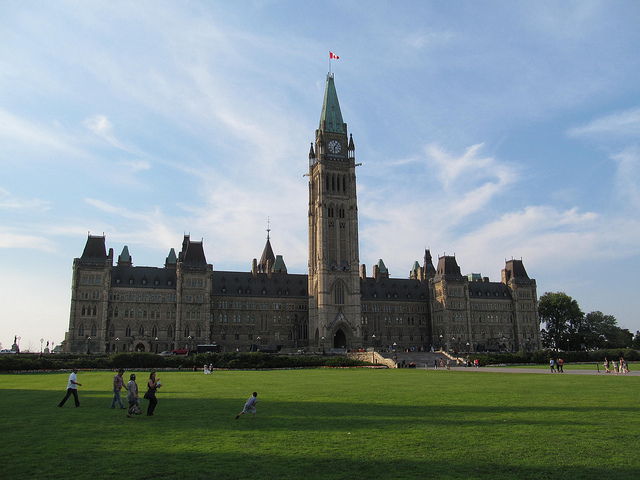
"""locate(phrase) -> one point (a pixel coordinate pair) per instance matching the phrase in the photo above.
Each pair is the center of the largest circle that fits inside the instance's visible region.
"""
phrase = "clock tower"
(334, 282)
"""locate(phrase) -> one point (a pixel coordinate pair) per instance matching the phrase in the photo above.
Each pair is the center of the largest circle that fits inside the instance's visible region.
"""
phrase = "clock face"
(334, 146)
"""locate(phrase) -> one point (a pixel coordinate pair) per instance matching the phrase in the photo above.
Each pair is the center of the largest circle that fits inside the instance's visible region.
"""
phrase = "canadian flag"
(333, 55)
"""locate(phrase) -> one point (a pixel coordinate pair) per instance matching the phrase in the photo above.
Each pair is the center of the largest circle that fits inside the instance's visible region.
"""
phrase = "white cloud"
(627, 177)
(31, 135)
(17, 240)
(619, 124)
(11, 202)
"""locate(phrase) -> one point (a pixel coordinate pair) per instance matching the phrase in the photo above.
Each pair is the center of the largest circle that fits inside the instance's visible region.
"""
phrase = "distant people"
(118, 383)
(250, 405)
(211, 368)
(206, 369)
(623, 365)
(552, 365)
(152, 387)
(132, 396)
(448, 364)
(560, 365)
(435, 364)
(476, 363)
(72, 388)
(606, 364)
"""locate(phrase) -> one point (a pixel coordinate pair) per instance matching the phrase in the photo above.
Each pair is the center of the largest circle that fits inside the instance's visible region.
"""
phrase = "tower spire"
(331, 116)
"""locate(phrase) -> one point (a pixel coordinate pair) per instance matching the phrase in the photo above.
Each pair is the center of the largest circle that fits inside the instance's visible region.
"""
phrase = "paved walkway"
(546, 371)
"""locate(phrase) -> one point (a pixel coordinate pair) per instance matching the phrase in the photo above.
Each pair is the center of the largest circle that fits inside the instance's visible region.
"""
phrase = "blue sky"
(490, 130)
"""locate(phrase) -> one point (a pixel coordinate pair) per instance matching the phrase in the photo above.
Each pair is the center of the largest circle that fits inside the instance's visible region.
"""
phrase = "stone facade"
(120, 307)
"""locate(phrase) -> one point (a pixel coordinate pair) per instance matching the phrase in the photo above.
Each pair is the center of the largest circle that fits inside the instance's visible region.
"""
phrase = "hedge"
(22, 362)
(543, 356)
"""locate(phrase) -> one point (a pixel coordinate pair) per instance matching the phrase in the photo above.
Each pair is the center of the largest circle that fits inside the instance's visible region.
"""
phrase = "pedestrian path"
(567, 371)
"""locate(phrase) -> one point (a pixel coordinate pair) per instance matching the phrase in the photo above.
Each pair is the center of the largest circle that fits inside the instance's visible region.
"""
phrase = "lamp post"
(322, 342)
(156, 344)
(394, 346)
(468, 347)
(88, 345)
(117, 340)
(373, 353)
(258, 340)
(189, 345)
(440, 342)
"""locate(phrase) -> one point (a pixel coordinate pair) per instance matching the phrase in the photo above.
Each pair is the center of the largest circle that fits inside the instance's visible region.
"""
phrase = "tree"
(563, 318)
(602, 331)
(636, 340)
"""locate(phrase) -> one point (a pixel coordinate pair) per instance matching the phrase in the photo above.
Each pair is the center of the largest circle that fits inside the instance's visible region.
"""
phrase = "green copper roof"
(381, 267)
(331, 117)
(171, 258)
(124, 256)
(415, 267)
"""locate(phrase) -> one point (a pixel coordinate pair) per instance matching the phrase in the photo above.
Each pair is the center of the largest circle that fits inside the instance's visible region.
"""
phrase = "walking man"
(72, 388)
(118, 383)
(249, 406)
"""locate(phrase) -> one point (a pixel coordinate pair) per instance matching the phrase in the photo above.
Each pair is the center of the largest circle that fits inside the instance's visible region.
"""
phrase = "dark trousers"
(70, 391)
(153, 401)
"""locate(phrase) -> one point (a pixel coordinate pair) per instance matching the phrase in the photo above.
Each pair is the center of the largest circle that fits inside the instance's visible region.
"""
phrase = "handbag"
(147, 395)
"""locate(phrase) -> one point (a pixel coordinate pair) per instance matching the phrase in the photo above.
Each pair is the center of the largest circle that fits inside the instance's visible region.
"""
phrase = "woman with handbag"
(152, 386)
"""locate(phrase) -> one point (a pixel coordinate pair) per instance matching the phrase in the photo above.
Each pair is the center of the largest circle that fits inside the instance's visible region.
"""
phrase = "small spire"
(312, 154)
(268, 227)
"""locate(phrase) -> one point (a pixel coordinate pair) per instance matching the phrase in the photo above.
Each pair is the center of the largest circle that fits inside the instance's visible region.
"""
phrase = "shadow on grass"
(198, 438)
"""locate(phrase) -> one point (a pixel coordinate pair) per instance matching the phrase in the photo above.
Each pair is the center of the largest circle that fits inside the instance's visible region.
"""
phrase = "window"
(170, 331)
(338, 293)
(127, 331)
(141, 330)
(81, 330)
(154, 331)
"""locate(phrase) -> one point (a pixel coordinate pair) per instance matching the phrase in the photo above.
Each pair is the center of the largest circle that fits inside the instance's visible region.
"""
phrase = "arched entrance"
(139, 347)
(339, 339)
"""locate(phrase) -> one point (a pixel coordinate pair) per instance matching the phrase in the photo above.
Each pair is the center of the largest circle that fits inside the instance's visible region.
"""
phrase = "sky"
(490, 130)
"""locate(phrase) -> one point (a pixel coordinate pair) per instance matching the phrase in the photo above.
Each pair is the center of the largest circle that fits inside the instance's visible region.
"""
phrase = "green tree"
(636, 340)
(602, 331)
(562, 320)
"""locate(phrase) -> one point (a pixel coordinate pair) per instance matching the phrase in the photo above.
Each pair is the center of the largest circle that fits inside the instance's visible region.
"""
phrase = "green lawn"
(328, 424)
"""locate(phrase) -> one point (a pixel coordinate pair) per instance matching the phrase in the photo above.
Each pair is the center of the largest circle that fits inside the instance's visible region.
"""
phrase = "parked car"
(166, 353)
(7, 351)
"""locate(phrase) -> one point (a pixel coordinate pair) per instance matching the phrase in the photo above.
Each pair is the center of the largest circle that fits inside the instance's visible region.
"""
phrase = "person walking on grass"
(249, 406)
(606, 365)
(118, 383)
(132, 396)
(552, 365)
(152, 387)
(72, 388)
(560, 365)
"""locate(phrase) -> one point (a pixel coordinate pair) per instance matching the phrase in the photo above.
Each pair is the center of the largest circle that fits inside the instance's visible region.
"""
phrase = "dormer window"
(131, 281)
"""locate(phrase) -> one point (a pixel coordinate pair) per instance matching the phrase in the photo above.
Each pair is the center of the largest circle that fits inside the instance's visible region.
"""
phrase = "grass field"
(327, 424)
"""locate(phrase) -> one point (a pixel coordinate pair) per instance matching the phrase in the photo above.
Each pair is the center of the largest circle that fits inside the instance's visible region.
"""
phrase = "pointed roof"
(448, 268)
(124, 256)
(267, 256)
(279, 266)
(331, 117)
(194, 255)
(171, 258)
(428, 264)
(381, 267)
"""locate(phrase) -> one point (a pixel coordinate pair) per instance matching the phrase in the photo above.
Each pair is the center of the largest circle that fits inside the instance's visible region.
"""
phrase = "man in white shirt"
(72, 388)
(250, 405)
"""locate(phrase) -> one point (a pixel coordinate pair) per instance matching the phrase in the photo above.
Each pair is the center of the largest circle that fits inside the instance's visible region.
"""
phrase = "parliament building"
(119, 307)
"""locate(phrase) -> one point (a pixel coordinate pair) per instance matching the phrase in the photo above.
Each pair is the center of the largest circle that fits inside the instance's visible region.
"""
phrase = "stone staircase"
(421, 359)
